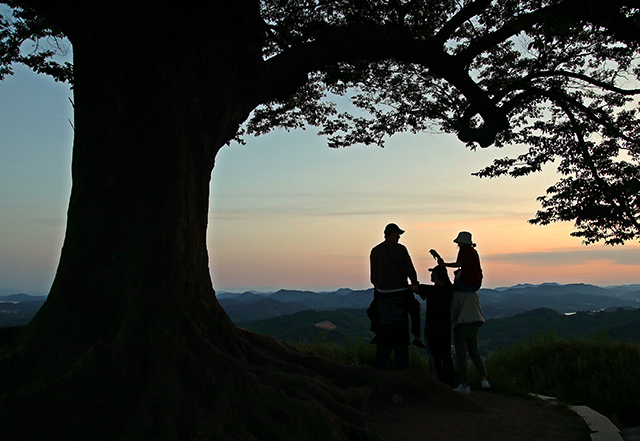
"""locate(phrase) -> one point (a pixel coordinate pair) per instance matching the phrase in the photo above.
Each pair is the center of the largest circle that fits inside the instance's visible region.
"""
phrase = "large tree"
(132, 342)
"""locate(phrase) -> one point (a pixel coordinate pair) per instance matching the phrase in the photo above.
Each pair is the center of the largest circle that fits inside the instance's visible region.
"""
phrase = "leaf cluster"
(578, 106)
(20, 27)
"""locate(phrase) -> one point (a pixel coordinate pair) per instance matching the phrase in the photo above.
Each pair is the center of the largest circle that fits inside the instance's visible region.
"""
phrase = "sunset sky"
(289, 212)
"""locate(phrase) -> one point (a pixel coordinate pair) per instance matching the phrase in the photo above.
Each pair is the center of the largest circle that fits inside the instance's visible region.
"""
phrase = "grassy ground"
(594, 371)
(357, 352)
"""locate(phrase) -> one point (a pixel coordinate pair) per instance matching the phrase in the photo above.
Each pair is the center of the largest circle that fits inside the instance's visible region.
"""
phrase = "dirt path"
(507, 419)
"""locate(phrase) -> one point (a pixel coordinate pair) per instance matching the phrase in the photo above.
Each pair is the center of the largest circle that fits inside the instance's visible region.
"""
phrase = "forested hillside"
(351, 324)
(621, 325)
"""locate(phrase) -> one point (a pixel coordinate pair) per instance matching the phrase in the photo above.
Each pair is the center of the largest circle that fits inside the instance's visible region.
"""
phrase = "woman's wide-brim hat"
(464, 237)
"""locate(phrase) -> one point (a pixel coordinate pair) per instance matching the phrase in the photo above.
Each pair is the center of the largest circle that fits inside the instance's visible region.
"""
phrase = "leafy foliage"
(558, 76)
(22, 27)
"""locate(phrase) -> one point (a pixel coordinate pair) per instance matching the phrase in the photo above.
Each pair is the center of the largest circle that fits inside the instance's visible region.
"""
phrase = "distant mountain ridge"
(496, 303)
(249, 306)
(17, 309)
(499, 303)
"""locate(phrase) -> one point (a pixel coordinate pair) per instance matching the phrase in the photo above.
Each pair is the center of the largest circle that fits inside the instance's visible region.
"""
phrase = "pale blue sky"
(288, 212)
(35, 178)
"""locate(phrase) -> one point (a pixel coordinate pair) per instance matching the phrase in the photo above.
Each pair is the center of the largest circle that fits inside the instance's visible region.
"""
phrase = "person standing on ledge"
(466, 312)
(393, 300)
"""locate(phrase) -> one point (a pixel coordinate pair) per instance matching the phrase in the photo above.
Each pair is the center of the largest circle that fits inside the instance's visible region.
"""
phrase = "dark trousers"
(439, 347)
(401, 355)
(465, 340)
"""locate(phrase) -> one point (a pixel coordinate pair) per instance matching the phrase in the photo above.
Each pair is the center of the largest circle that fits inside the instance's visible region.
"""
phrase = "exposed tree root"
(186, 387)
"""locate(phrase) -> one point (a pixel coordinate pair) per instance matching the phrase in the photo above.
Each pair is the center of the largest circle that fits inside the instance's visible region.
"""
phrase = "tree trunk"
(131, 342)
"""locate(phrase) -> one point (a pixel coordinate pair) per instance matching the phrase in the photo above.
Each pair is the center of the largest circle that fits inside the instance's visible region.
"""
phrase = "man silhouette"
(393, 300)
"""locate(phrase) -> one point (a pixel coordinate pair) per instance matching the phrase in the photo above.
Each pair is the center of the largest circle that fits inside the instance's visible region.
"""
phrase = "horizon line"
(265, 290)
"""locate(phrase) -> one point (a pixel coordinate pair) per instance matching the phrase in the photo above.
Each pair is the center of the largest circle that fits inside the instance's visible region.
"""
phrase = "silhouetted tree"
(132, 343)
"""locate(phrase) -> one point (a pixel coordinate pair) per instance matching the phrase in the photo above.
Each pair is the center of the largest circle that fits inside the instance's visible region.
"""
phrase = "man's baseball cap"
(392, 228)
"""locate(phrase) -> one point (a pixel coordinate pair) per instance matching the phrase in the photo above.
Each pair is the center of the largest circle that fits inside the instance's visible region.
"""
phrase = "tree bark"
(131, 342)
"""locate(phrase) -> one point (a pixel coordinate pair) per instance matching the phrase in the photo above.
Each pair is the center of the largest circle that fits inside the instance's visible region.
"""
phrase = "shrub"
(594, 371)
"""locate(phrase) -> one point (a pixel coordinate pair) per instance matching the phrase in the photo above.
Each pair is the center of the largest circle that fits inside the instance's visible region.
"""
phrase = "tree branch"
(289, 70)
(463, 15)
(617, 203)
(585, 78)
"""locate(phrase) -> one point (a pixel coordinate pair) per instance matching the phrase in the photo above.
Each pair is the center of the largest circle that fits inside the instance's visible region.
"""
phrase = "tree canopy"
(559, 76)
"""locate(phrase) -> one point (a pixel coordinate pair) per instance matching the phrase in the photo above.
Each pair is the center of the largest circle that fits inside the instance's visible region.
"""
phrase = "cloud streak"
(627, 255)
